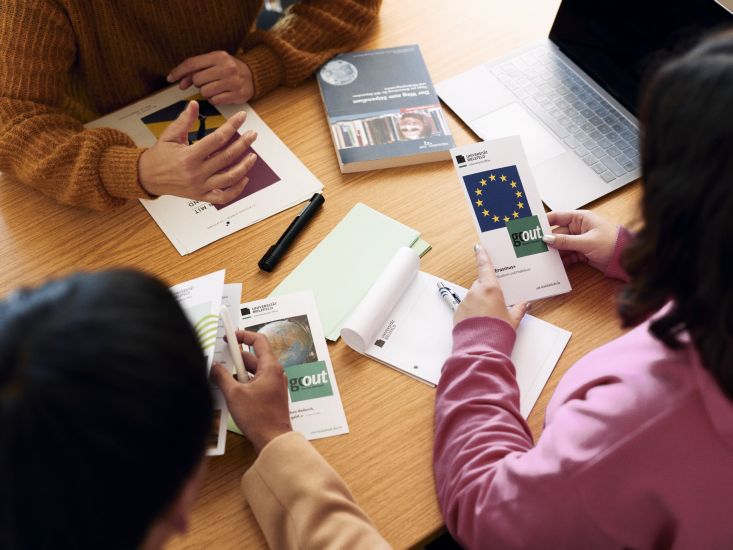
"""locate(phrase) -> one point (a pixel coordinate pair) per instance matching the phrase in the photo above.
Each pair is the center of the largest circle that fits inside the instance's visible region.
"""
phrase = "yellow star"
(506, 218)
(479, 202)
(520, 205)
(518, 194)
(515, 214)
(485, 212)
(496, 219)
(492, 177)
(503, 178)
(478, 191)
(514, 184)
(483, 182)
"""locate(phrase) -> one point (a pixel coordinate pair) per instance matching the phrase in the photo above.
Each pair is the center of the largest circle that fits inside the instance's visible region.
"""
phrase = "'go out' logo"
(308, 381)
(526, 236)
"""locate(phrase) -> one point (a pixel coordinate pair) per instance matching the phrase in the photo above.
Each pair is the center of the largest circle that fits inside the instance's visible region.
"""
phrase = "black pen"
(276, 251)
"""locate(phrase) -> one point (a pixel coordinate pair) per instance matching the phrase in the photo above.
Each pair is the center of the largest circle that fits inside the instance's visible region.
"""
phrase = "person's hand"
(259, 407)
(211, 170)
(220, 77)
(485, 298)
(582, 236)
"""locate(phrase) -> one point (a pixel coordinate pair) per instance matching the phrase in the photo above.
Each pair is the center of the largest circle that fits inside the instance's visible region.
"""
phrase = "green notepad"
(343, 267)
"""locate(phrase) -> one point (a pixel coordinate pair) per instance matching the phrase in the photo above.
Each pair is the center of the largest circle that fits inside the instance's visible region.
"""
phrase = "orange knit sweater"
(66, 62)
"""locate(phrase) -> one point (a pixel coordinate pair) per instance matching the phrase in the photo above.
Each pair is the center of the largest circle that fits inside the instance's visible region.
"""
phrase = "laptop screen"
(618, 43)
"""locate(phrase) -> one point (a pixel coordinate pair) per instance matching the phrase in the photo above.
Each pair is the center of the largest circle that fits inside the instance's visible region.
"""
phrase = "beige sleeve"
(300, 502)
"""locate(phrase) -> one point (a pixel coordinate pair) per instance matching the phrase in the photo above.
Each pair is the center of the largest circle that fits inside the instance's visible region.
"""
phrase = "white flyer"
(510, 218)
(293, 328)
(201, 300)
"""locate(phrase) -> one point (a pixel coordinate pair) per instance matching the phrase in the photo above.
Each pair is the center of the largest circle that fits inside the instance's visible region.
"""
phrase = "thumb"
(517, 312)
(577, 243)
(222, 378)
(177, 131)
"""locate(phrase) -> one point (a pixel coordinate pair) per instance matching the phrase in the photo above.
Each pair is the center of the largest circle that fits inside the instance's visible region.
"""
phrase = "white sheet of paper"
(201, 301)
(404, 323)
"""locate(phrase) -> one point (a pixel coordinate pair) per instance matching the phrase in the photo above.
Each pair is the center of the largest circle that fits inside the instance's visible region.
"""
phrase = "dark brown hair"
(104, 410)
(684, 253)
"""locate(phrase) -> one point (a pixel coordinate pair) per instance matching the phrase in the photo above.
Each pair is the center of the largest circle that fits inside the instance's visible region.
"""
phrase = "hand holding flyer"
(510, 219)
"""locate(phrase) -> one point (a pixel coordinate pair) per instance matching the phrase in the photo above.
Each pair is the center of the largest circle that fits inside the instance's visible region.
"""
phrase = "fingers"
(207, 76)
(250, 361)
(578, 243)
(220, 138)
(485, 268)
(231, 175)
(517, 313)
(231, 154)
(224, 196)
(226, 98)
(185, 83)
(177, 131)
(222, 378)
(259, 342)
(192, 65)
(562, 218)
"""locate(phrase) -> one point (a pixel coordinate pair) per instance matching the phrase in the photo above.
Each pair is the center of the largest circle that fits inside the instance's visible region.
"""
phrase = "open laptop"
(573, 97)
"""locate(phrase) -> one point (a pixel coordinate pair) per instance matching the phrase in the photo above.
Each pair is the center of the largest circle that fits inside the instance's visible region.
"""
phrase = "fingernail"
(169, 78)
(477, 248)
(527, 306)
(549, 239)
(251, 157)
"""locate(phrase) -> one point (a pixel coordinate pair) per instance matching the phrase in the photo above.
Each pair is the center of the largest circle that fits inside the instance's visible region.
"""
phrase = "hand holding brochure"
(404, 323)
(510, 219)
(292, 327)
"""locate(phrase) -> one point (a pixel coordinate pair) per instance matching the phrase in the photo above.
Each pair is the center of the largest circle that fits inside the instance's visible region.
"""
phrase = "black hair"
(104, 410)
(683, 255)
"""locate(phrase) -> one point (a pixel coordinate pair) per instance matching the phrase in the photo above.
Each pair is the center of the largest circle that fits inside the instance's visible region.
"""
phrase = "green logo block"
(526, 236)
(308, 381)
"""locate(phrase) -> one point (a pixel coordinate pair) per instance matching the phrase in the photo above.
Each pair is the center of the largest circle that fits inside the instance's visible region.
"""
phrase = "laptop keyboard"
(578, 115)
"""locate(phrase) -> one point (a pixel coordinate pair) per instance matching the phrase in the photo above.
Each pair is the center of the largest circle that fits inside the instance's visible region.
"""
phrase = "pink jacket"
(637, 449)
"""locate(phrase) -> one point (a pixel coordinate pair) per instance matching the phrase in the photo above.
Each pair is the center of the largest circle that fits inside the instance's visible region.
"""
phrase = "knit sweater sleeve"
(311, 32)
(41, 144)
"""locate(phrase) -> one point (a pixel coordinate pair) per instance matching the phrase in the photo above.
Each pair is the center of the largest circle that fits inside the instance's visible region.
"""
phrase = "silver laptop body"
(580, 141)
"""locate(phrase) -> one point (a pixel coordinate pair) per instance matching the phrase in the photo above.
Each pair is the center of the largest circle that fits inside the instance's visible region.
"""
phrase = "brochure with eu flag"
(507, 210)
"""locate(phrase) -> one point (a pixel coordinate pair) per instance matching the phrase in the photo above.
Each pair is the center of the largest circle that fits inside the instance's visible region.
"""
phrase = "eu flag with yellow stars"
(497, 197)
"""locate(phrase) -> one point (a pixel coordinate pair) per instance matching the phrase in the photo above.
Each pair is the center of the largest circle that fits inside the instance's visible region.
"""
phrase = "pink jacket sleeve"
(614, 269)
(495, 488)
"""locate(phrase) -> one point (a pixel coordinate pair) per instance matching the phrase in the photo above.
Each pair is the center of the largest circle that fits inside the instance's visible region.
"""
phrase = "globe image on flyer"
(339, 72)
(290, 340)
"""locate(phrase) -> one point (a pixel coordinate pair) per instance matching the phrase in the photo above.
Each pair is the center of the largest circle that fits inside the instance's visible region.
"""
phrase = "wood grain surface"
(386, 459)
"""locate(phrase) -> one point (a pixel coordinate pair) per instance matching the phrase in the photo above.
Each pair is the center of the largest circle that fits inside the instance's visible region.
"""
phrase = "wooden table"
(386, 459)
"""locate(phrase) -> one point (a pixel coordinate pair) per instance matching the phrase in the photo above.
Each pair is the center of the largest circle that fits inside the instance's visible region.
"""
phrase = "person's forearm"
(304, 503)
(41, 144)
(615, 270)
(53, 153)
(309, 34)
(477, 423)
